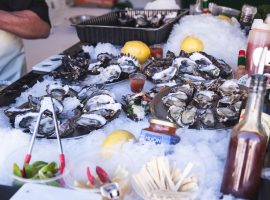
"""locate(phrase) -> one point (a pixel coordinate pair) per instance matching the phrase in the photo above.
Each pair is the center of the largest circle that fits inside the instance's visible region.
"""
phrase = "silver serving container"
(222, 10)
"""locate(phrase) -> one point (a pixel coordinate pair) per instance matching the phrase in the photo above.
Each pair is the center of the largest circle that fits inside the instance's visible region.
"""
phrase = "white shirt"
(12, 57)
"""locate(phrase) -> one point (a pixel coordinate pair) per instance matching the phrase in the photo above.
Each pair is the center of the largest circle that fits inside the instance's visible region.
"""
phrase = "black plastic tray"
(105, 28)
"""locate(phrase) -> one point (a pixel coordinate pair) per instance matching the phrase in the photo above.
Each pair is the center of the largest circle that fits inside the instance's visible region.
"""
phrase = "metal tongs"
(46, 105)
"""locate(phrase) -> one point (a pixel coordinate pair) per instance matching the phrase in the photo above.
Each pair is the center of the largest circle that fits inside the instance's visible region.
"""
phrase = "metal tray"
(105, 28)
(159, 110)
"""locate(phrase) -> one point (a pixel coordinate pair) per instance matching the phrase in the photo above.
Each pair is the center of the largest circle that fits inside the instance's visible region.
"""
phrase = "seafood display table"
(206, 148)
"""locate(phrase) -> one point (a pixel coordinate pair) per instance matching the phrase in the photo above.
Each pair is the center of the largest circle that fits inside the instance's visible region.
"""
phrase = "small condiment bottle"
(248, 13)
(241, 69)
(160, 132)
(205, 6)
(247, 147)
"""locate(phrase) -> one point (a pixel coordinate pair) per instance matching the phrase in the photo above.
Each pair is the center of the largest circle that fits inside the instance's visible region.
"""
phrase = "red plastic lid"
(242, 53)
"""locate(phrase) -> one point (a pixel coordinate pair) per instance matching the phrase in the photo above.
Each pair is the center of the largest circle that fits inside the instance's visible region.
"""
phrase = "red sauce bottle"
(247, 147)
(259, 37)
(241, 69)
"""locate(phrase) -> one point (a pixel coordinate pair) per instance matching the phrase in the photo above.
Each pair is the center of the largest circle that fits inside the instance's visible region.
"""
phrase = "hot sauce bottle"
(241, 69)
(247, 147)
(206, 7)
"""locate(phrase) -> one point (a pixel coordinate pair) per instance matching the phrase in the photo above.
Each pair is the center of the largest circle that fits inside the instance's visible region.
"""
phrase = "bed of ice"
(207, 148)
(162, 4)
(221, 39)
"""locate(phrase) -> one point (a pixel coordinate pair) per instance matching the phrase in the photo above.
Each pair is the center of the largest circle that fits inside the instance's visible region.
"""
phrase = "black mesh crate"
(105, 28)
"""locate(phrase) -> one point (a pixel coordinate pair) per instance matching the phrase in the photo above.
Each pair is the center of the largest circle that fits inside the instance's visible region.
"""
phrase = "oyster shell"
(34, 102)
(141, 21)
(205, 64)
(164, 75)
(26, 120)
(229, 87)
(175, 113)
(96, 67)
(73, 68)
(108, 111)
(226, 70)
(105, 58)
(188, 77)
(87, 92)
(90, 122)
(128, 63)
(208, 118)
(136, 112)
(156, 20)
(96, 101)
(58, 92)
(188, 116)
(186, 88)
(12, 112)
(204, 98)
(46, 127)
(185, 65)
(110, 74)
(227, 114)
(173, 100)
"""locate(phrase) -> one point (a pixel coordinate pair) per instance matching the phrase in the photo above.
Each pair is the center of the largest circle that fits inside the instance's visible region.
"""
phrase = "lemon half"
(137, 49)
(192, 44)
(116, 137)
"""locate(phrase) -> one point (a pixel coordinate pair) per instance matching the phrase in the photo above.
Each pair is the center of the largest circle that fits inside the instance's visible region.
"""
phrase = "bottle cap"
(163, 123)
(259, 24)
(242, 53)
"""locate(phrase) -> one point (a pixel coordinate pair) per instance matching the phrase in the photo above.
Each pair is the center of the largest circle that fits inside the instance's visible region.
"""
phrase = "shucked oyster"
(189, 115)
(229, 87)
(128, 63)
(227, 114)
(185, 65)
(110, 74)
(205, 64)
(28, 121)
(175, 113)
(58, 91)
(98, 100)
(164, 75)
(204, 98)
(90, 122)
(107, 111)
(208, 118)
(171, 100)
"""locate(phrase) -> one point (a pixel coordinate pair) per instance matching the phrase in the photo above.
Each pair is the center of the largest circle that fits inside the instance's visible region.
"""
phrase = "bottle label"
(158, 138)
(242, 60)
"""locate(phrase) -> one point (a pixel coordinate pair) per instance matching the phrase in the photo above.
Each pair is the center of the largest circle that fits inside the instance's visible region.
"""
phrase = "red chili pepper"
(91, 178)
(102, 174)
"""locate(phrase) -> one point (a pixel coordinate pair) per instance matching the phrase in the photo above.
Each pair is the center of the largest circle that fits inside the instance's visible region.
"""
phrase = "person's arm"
(26, 24)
